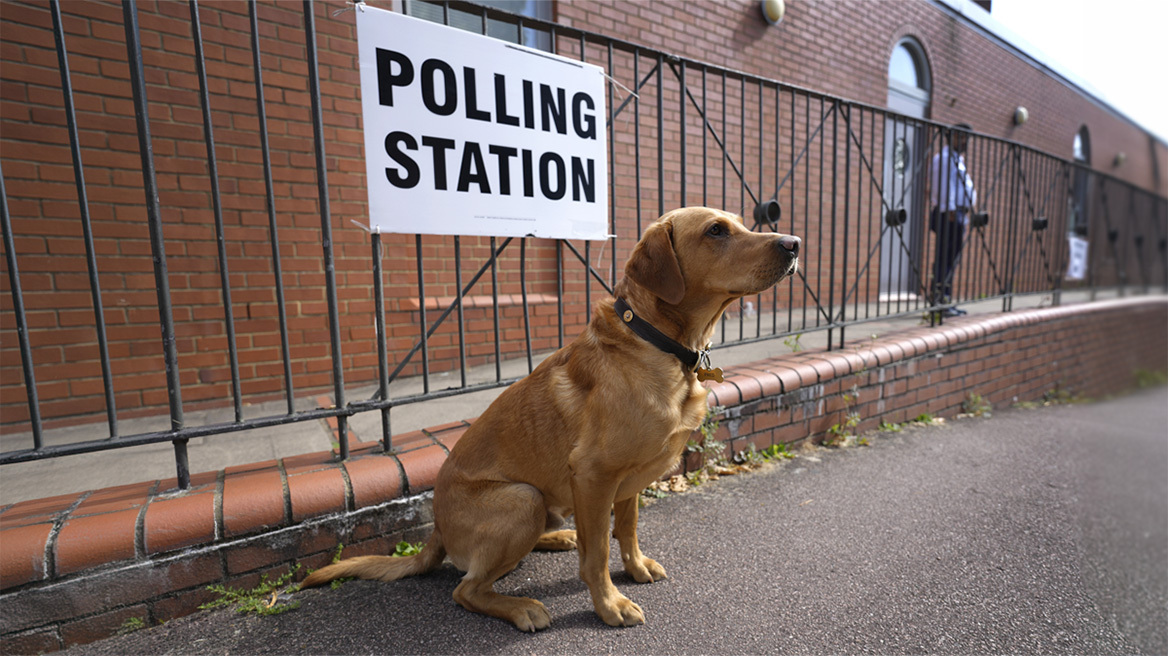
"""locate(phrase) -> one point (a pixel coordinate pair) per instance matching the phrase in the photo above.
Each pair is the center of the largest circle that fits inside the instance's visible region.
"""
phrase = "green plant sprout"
(267, 598)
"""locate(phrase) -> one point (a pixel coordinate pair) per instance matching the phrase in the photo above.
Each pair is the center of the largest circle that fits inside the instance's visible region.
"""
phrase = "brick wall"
(841, 47)
(1062, 353)
(42, 199)
(74, 568)
(836, 47)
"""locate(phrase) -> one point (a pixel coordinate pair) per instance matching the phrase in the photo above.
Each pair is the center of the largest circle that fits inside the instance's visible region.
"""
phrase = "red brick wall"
(841, 47)
(1025, 356)
(837, 47)
(48, 236)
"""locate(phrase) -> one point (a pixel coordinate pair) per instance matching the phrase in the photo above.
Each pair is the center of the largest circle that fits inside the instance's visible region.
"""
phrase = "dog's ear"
(653, 264)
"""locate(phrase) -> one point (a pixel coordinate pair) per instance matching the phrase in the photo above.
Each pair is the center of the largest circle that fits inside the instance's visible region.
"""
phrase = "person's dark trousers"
(950, 239)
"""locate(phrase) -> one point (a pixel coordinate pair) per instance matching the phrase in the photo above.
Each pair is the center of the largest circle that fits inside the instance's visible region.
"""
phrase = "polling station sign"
(468, 135)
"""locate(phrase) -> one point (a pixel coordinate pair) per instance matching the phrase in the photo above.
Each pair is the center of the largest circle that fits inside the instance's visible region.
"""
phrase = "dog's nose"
(790, 244)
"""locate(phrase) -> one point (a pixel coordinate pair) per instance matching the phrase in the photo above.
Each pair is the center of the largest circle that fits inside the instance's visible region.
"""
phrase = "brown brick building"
(751, 78)
(843, 48)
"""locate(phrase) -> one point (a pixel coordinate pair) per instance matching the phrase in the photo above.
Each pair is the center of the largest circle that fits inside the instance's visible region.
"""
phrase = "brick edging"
(790, 372)
(234, 524)
(1002, 358)
(71, 533)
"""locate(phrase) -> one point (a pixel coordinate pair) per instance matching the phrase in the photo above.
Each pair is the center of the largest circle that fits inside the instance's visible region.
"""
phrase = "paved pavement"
(1034, 531)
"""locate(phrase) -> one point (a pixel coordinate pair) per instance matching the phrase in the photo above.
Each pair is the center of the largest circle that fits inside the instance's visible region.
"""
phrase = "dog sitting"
(592, 425)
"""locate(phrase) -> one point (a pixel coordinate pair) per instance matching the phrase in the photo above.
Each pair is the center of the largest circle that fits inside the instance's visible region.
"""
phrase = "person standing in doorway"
(953, 199)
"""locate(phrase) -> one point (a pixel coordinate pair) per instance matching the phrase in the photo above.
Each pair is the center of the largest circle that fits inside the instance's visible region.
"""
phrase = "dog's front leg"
(593, 496)
(644, 570)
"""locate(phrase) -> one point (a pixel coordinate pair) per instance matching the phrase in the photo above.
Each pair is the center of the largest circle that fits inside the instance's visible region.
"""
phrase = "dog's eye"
(716, 230)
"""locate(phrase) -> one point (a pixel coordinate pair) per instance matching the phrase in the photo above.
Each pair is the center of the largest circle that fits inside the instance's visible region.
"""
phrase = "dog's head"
(703, 255)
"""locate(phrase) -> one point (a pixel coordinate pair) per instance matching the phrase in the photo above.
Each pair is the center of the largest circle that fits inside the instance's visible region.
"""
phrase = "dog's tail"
(381, 568)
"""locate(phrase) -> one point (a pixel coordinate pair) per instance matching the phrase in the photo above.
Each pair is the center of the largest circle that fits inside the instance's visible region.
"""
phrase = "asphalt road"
(1034, 531)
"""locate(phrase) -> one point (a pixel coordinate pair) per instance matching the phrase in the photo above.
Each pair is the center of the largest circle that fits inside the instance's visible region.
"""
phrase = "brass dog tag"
(710, 374)
(705, 371)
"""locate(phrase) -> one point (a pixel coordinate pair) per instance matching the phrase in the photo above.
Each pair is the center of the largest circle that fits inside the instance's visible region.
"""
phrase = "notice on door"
(469, 135)
(1077, 258)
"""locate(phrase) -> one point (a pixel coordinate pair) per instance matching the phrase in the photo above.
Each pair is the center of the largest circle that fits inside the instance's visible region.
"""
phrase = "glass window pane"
(472, 22)
(424, 10)
(1083, 145)
(902, 67)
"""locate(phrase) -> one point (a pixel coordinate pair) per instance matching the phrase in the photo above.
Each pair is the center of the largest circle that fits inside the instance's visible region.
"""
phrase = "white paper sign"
(468, 135)
(1077, 261)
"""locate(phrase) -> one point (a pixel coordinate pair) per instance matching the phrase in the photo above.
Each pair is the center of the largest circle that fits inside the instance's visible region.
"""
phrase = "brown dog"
(593, 425)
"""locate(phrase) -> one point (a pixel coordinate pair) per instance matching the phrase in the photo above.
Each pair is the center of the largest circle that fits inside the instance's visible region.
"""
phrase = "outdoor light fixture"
(979, 219)
(773, 10)
(1120, 158)
(1038, 223)
(1021, 115)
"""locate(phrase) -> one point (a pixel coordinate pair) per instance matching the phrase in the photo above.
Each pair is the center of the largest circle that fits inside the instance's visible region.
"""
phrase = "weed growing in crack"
(926, 419)
(404, 548)
(131, 625)
(710, 450)
(975, 405)
(793, 343)
(714, 462)
(752, 458)
(267, 598)
(1147, 378)
(843, 433)
(1057, 395)
(335, 584)
(776, 452)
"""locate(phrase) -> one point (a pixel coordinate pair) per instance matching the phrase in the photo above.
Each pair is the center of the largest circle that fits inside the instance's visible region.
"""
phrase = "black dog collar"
(698, 361)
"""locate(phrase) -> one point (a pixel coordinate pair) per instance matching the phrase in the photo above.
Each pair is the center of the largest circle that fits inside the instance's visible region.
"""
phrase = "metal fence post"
(157, 243)
(326, 228)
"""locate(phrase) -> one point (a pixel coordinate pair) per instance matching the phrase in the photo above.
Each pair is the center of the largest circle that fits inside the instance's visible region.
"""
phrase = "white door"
(905, 173)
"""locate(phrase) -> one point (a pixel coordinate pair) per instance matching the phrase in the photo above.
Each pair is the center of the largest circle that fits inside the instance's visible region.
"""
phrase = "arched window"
(908, 71)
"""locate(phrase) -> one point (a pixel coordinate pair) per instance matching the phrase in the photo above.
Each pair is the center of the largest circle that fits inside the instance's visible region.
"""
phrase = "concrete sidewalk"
(1033, 531)
(43, 478)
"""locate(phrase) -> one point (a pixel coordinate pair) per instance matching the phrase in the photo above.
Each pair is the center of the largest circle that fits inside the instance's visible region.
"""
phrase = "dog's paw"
(557, 541)
(645, 570)
(621, 612)
(530, 616)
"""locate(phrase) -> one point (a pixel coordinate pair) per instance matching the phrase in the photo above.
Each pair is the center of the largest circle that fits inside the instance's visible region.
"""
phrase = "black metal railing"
(853, 180)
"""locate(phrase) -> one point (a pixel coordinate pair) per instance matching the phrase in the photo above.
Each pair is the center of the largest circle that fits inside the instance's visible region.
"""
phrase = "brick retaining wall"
(74, 568)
